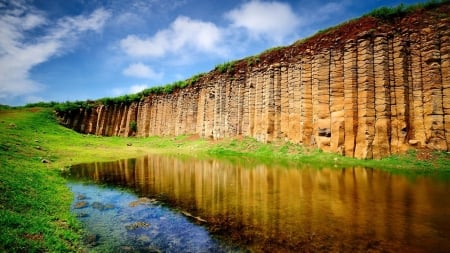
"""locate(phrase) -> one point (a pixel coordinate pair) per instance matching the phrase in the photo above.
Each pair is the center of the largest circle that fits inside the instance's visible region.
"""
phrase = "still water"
(191, 205)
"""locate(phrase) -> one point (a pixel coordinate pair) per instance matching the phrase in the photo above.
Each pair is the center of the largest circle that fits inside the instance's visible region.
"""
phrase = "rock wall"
(367, 89)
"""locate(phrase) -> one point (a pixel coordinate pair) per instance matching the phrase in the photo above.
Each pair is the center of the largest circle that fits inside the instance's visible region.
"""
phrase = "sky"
(68, 50)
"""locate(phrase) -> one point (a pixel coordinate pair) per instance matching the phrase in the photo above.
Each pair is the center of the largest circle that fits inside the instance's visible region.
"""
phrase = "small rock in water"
(102, 207)
(197, 218)
(91, 240)
(82, 215)
(144, 239)
(81, 197)
(142, 201)
(126, 249)
(81, 204)
(136, 225)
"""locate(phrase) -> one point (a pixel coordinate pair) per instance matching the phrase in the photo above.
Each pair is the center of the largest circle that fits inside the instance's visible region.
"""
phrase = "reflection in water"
(276, 209)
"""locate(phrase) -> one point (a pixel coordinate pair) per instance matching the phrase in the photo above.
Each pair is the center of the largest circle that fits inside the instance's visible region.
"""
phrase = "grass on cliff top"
(402, 9)
(35, 200)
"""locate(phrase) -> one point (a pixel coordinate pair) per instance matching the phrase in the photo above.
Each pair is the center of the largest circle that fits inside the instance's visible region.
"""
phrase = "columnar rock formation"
(367, 89)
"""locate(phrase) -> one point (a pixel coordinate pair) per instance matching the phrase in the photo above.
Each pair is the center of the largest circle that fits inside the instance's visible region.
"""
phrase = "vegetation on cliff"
(388, 13)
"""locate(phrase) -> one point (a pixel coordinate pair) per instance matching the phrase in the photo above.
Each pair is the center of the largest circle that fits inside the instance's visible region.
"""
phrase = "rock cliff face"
(366, 89)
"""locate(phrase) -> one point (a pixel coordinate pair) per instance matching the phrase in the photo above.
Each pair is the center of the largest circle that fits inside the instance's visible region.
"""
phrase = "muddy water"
(265, 208)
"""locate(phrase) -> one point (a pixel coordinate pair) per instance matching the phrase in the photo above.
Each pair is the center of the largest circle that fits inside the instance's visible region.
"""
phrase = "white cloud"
(270, 20)
(68, 29)
(137, 88)
(94, 22)
(141, 70)
(19, 54)
(129, 90)
(127, 19)
(31, 21)
(184, 34)
(137, 47)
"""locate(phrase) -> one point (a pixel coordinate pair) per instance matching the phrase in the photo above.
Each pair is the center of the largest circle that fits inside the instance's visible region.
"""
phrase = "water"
(117, 221)
(212, 206)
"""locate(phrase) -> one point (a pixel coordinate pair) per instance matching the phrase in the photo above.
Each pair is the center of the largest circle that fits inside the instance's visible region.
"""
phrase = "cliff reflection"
(278, 209)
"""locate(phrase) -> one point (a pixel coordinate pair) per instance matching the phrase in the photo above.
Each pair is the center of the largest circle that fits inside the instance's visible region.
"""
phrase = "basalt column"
(382, 97)
(337, 101)
(294, 132)
(433, 89)
(321, 99)
(365, 99)
(306, 126)
(444, 33)
(350, 97)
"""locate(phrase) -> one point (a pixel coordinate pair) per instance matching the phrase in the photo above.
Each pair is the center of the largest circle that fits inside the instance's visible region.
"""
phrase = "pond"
(160, 203)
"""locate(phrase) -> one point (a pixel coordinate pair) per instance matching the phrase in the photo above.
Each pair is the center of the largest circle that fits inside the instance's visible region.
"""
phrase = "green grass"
(34, 198)
(388, 13)
(298, 156)
(35, 201)
(253, 60)
(226, 67)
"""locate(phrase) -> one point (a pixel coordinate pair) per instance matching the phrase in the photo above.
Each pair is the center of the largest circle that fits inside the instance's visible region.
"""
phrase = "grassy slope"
(34, 200)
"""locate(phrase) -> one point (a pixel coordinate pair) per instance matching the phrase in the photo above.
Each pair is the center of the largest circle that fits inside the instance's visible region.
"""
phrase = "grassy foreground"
(34, 199)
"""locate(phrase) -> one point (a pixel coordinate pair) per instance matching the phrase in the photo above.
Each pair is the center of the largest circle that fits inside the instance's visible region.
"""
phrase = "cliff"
(367, 89)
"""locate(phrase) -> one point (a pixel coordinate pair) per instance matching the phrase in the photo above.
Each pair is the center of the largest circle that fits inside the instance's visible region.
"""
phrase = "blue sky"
(59, 50)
